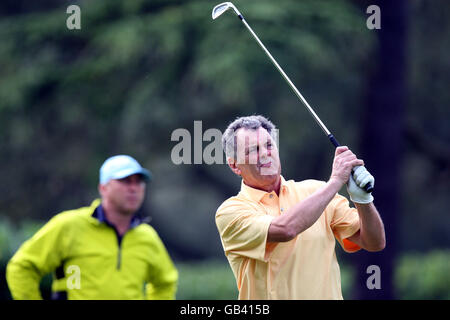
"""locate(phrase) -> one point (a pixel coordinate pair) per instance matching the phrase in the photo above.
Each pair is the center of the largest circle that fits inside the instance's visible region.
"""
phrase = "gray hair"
(250, 122)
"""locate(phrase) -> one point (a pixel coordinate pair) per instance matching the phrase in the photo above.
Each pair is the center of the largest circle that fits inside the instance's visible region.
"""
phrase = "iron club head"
(222, 7)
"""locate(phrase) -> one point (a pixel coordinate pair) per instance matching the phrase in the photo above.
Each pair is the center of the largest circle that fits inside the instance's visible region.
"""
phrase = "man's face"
(125, 195)
(257, 159)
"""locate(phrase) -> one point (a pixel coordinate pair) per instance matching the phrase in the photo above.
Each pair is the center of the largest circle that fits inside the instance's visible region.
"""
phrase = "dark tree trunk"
(382, 143)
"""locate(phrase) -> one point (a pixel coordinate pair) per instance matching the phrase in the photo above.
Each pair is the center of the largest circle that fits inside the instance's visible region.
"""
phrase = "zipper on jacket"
(99, 214)
(119, 252)
(119, 257)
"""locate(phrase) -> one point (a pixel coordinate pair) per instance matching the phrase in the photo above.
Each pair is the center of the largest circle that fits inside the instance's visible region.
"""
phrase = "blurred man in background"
(278, 235)
(104, 251)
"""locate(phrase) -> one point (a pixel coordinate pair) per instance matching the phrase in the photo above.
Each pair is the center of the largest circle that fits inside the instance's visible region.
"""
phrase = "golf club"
(217, 11)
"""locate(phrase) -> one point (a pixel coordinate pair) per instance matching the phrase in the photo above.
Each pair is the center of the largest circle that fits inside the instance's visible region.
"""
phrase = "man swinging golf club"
(279, 235)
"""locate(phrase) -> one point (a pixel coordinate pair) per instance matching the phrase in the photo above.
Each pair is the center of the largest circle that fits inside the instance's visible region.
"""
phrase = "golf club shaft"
(288, 80)
(368, 187)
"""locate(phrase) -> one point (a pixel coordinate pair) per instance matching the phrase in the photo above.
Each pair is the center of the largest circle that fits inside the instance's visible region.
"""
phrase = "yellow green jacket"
(90, 261)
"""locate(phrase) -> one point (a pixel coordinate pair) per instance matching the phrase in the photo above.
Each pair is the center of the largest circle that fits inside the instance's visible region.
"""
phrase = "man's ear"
(233, 166)
(101, 188)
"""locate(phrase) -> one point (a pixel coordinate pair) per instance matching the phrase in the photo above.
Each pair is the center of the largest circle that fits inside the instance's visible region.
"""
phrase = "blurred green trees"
(134, 73)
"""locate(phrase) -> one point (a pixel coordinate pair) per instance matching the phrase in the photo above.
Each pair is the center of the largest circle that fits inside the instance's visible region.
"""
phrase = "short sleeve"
(344, 223)
(243, 230)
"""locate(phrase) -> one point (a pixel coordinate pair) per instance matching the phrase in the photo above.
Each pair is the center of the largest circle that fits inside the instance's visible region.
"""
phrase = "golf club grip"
(368, 187)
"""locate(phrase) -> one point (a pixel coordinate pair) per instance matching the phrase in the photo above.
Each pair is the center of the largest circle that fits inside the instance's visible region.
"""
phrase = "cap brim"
(129, 172)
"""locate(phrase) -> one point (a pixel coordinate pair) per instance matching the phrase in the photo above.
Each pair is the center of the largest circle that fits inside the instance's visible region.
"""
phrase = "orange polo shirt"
(302, 268)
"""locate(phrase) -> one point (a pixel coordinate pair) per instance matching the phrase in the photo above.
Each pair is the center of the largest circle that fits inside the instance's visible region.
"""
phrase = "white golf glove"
(355, 186)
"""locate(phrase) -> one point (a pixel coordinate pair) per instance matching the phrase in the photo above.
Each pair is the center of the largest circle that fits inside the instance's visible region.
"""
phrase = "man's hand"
(343, 163)
(355, 186)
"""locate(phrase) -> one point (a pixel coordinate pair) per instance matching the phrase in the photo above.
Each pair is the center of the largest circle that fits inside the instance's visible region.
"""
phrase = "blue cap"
(121, 166)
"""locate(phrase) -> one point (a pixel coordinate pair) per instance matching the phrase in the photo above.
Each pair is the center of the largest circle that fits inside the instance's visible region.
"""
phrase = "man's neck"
(119, 220)
(274, 186)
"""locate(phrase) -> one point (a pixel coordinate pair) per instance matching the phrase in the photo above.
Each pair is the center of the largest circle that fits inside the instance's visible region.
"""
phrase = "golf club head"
(221, 8)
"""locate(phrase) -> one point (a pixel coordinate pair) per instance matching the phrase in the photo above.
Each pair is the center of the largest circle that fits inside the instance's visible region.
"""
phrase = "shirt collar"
(256, 194)
(99, 214)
